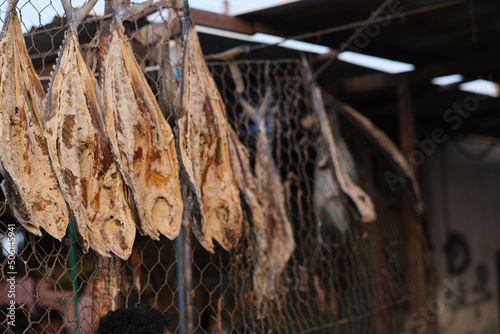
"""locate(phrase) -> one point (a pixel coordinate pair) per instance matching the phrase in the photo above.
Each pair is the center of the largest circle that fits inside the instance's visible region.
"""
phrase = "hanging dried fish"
(204, 152)
(245, 179)
(354, 197)
(272, 231)
(385, 145)
(80, 153)
(142, 140)
(264, 285)
(169, 98)
(330, 210)
(327, 199)
(29, 183)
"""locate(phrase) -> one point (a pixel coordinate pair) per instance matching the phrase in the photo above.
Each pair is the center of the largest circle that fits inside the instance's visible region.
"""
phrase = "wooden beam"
(411, 223)
(221, 21)
(406, 120)
(232, 23)
(471, 66)
(218, 21)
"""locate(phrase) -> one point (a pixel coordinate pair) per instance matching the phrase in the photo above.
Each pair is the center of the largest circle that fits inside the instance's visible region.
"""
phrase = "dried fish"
(385, 145)
(330, 210)
(142, 141)
(272, 231)
(169, 98)
(327, 200)
(245, 179)
(80, 153)
(248, 185)
(354, 197)
(29, 182)
(204, 152)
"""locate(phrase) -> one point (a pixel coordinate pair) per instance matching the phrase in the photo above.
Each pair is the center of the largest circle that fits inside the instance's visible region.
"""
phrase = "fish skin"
(142, 141)
(82, 158)
(204, 153)
(29, 182)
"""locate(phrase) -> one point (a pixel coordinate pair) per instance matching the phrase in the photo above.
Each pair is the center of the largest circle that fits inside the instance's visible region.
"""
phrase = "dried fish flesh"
(204, 152)
(169, 98)
(80, 154)
(142, 141)
(330, 209)
(29, 182)
(245, 179)
(264, 285)
(272, 231)
(275, 241)
(327, 200)
(354, 197)
(386, 146)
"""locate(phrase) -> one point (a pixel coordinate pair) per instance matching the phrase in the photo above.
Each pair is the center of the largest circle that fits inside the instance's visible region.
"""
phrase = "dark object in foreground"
(134, 320)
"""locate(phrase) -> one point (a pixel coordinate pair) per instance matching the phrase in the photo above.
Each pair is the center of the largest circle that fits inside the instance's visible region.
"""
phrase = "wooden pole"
(106, 287)
(416, 274)
(106, 284)
(406, 119)
(379, 266)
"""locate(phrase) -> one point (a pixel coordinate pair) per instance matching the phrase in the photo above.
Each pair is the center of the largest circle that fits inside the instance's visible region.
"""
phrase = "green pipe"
(74, 279)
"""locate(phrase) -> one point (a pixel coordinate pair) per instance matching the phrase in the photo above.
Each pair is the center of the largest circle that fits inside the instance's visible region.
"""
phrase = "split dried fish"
(385, 145)
(330, 210)
(327, 200)
(80, 153)
(245, 179)
(272, 231)
(142, 141)
(204, 152)
(29, 183)
(354, 197)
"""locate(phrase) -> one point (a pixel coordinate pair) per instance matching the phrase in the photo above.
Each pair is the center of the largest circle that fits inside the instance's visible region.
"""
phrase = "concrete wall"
(462, 197)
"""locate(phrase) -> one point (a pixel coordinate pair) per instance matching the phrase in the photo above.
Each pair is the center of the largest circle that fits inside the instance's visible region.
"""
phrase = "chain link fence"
(343, 277)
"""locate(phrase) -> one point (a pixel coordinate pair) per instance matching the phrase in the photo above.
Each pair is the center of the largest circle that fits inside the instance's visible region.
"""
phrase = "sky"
(39, 12)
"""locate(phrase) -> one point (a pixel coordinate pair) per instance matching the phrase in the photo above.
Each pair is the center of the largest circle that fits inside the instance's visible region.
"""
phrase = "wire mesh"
(352, 280)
